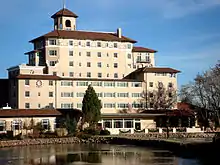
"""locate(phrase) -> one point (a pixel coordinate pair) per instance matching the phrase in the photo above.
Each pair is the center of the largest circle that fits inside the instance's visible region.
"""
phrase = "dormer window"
(68, 23)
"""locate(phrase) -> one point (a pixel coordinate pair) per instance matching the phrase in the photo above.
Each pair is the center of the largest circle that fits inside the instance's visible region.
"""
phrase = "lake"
(69, 154)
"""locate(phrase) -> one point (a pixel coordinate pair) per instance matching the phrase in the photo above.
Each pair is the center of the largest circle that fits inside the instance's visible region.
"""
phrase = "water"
(70, 154)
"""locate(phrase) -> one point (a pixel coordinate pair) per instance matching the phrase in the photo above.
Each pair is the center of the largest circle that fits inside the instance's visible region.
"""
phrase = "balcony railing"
(143, 61)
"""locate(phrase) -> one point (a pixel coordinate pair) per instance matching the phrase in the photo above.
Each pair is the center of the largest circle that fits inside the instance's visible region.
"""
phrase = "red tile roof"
(64, 12)
(157, 70)
(142, 49)
(29, 113)
(85, 35)
(38, 77)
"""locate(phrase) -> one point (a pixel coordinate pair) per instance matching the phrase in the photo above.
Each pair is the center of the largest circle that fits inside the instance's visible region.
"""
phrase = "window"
(66, 83)
(136, 105)
(136, 84)
(115, 45)
(39, 105)
(99, 94)
(170, 95)
(80, 74)
(129, 56)
(107, 74)
(79, 105)
(115, 65)
(79, 53)
(109, 105)
(122, 94)
(2, 125)
(122, 84)
(45, 124)
(87, 43)
(116, 55)
(109, 94)
(107, 65)
(88, 64)
(99, 54)
(99, 64)
(70, 43)
(67, 94)
(71, 74)
(151, 84)
(151, 105)
(27, 105)
(98, 44)
(99, 75)
(170, 85)
(82, 83)
(136, 94)
(50, 94)
(129, 65)
(80, 64)
(79, 42)
(70, 53)
(129, 46)
(16, 125)
(52, 52)
(67, 105)
(38, 93)
(96, 83)
(54, 73)
(128, 123)
(51, 105)
(107, 123)
(118, 123)
(53, 63)
(27, 93)
(116, 75)
(88, 54)
(71, 63)
(27, 82)
(52, 42)
(151, 94)
(80, 94)
(50, 82)
(88, 74)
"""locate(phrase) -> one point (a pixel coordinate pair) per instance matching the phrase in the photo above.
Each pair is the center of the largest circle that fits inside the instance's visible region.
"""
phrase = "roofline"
(49, 77)
(45, 37)
(174, 70)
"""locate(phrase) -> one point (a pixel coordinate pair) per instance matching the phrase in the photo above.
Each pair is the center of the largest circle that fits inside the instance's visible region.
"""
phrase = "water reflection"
(89, 154)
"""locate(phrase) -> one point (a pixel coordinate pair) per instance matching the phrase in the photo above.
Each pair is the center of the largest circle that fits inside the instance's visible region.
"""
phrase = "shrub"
(91, 131)
(83, 135)
(104, 132)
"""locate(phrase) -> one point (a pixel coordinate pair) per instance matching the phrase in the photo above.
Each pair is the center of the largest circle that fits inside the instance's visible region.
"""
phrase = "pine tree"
(91, 107)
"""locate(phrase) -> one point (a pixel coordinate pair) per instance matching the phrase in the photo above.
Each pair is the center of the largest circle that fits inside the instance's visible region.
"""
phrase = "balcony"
(143, 61)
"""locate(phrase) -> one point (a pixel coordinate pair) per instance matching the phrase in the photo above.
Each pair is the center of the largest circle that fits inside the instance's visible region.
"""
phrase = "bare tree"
(161, 98)
(204, 93)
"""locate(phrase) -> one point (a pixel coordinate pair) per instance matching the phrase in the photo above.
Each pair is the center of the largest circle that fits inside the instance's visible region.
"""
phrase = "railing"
(143, 61)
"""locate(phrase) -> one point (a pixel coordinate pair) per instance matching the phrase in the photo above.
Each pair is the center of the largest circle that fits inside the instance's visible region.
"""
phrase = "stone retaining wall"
(171, 135)
(47, 141)
(99, 139)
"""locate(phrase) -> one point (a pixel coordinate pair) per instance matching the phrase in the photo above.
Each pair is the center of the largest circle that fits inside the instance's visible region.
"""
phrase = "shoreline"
(176, 146)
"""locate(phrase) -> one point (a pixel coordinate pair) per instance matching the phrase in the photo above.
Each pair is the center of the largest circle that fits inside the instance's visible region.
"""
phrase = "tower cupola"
(64, 20)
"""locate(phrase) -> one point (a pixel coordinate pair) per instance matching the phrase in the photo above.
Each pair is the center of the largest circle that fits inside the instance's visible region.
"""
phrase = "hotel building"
(66, 60)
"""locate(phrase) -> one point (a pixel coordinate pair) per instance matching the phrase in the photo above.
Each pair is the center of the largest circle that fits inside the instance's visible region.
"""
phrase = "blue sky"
(185, 33)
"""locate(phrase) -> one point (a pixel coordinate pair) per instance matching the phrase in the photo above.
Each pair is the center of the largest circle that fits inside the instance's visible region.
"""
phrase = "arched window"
(68, 23)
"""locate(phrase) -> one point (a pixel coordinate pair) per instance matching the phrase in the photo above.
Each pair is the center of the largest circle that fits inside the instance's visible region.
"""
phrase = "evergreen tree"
(91, 107)
(70, 125)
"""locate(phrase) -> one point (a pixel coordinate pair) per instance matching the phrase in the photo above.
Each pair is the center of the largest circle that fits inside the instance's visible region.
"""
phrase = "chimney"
(119, 32)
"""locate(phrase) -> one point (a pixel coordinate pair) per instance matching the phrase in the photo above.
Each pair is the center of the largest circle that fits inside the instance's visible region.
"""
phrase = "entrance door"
(138, 126)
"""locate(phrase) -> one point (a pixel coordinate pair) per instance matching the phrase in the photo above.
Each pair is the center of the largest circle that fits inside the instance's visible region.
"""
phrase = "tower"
(64, 20)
